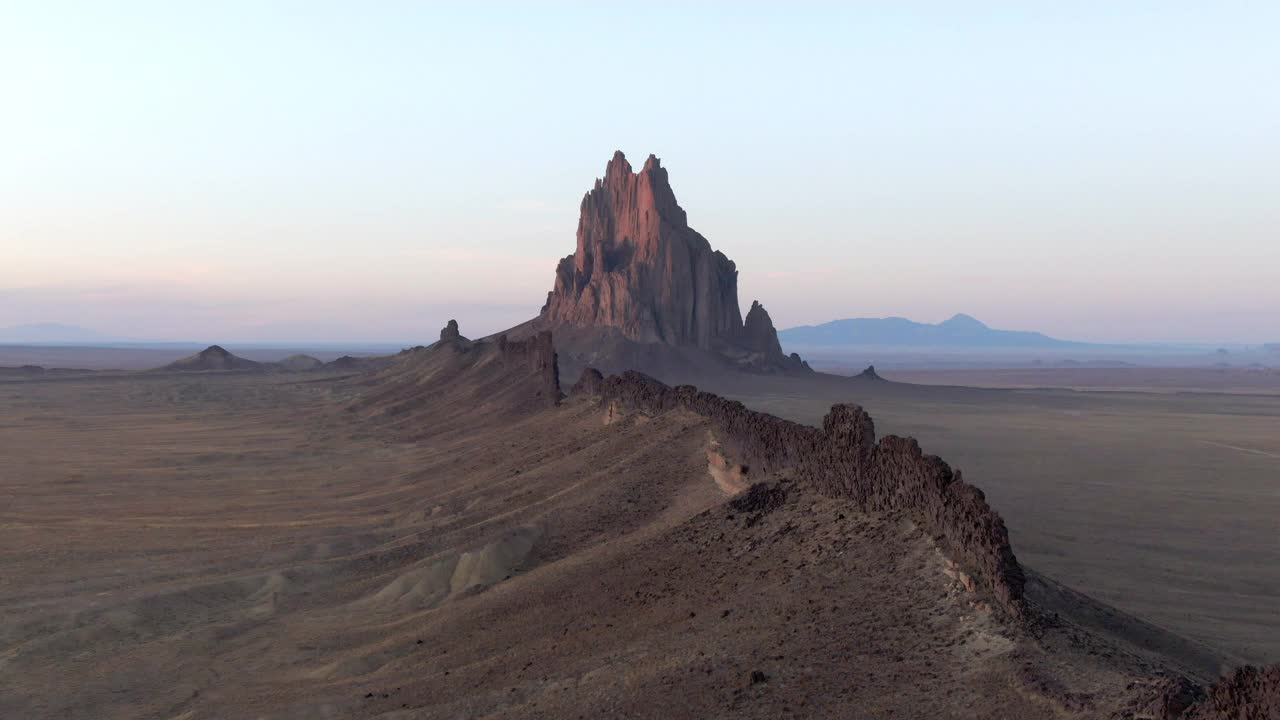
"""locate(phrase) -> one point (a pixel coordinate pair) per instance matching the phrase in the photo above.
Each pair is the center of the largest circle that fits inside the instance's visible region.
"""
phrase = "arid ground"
(289, 545)
(1229, 380)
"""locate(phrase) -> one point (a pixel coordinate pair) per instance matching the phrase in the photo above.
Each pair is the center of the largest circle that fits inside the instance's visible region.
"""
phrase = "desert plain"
(243, 544)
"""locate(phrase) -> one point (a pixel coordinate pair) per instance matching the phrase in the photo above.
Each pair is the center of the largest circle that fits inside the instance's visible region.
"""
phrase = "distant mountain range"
(56, 333)
(959, 331)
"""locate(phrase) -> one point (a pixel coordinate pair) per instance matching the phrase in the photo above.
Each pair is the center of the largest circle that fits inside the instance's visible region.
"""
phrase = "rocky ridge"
(843, 459)
(517, 375)
(1248, 693)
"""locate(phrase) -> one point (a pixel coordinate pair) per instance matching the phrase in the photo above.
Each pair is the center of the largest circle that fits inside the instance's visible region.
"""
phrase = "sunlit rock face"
(641, 269)
(640, 272)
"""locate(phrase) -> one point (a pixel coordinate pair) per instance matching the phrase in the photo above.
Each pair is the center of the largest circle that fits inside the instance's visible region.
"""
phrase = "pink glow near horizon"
(1102, 174)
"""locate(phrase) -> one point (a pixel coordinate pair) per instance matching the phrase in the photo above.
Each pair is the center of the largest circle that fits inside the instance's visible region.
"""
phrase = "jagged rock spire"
(640, 268)
(758, 333)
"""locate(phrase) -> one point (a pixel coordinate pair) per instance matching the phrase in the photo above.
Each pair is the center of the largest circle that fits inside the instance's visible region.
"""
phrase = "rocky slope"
(641, 276)
(843, 459)
(517, 374)
(1080, 657)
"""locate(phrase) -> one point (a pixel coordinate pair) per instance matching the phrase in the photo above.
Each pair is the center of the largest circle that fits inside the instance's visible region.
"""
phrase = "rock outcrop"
(844, 459)
(641, 269)
(462, 381)
(870, 373)
(894, 475)
(759, 335)
(538, 355)
(450, 335)
(641, 272)
(450, 332)
(1248, 693)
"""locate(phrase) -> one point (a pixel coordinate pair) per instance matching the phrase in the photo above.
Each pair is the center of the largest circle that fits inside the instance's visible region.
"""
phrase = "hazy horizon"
(296, 173)
(90, 337)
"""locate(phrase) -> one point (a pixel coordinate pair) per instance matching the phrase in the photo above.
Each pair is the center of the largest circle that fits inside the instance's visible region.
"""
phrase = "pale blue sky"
(364, 171)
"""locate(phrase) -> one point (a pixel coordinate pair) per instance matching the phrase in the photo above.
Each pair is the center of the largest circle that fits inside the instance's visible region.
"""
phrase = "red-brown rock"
(641, 272)
(640, 268)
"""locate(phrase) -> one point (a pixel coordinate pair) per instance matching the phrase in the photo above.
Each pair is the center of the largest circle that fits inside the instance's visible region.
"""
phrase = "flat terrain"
(1245, 381)
(147, 358)
(1166, 505)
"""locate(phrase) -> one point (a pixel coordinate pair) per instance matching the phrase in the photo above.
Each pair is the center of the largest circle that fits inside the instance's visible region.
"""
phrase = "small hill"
(38, 371)
(300, 363)
(959, 331)
(870, 374)
(213, 358)
(359, 364)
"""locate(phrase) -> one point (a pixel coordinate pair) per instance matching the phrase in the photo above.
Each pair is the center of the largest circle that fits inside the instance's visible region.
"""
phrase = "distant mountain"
(214, 357)
(299, 363)
(960, 331)
(36, 333)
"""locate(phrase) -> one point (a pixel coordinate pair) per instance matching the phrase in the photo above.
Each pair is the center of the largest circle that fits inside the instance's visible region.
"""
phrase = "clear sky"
(219, 171)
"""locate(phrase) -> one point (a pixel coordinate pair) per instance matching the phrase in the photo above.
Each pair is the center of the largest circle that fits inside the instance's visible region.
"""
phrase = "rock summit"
(640, 272)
